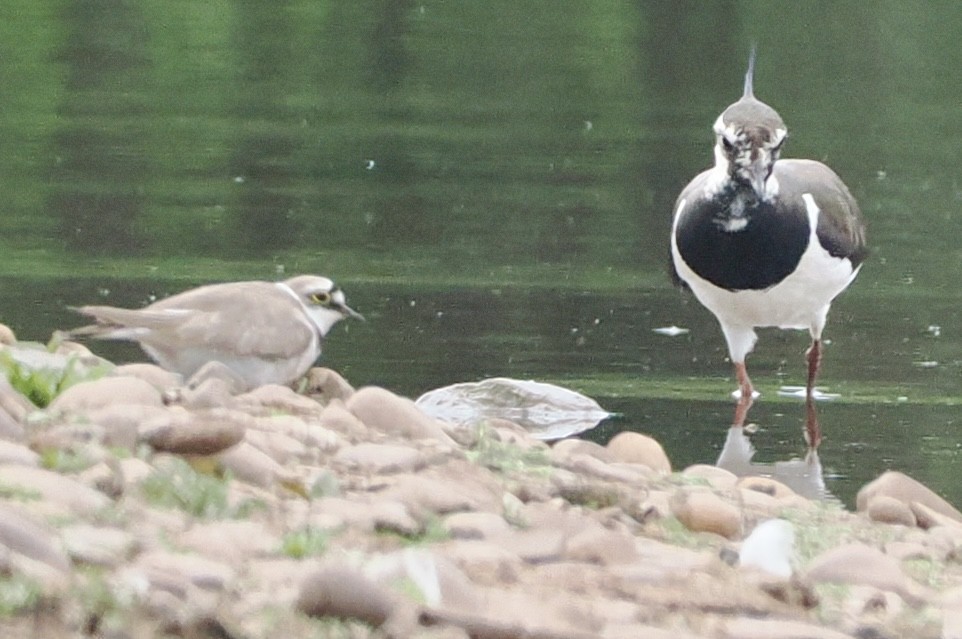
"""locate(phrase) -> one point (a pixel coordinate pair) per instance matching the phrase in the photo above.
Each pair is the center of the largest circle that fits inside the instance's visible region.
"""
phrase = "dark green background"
(492, 184)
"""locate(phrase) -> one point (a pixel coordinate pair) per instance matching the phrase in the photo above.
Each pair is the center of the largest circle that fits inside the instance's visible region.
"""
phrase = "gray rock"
(22, 533)
(336, 417)
(159, 378)
(280, 398)
(475, 525)
(11, 453)
(858, 564)
(889, 510)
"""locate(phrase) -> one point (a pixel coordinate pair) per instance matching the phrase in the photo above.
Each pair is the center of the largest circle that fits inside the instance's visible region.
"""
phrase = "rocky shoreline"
(131, 510)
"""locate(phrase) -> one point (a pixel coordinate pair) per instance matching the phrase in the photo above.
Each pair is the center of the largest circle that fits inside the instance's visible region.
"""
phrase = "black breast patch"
(758, 256)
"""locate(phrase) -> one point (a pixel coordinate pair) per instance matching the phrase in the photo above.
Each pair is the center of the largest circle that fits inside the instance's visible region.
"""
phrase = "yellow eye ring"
(321, 298)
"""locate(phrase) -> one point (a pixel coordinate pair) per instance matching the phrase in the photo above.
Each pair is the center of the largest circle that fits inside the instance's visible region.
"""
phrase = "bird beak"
(758, 176)
(347, 311)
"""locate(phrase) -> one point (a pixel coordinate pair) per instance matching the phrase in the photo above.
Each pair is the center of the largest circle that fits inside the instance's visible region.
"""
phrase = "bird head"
(749, 136)
(323, 300)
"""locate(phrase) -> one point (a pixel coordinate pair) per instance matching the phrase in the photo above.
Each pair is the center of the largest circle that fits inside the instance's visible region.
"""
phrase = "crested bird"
(766, 242)
(261, 332)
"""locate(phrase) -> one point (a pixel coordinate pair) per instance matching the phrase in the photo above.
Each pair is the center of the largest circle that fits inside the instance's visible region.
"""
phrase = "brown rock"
(106, 391)
(889, 510)
(564, 448)
(766, 486)
(345, 593)
(201, 432)
(718, 478)
(381, 458)
(636, 448)
(599, 545)
(7, 336)
(704, 511)
(858, 564)
(324, 385)
(383, 411)
(907, 490)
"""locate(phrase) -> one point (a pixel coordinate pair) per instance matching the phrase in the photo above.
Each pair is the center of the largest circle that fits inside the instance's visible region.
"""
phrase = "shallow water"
(492, 185)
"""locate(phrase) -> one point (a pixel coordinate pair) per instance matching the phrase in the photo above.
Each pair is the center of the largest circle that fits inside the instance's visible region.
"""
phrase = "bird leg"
(813, 432)
(746, 394)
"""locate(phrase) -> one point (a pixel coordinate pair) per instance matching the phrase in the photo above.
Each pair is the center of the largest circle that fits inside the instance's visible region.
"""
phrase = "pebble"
(107, 391)
(53, 487)
(889, 510)
(380, 458)
(198, 432)
(13, 453)
(900, 486)
(636, 448)
(343, 592)
(704, 511)
(385, 412)
(325, 385)
(98, 545)
(859, 564)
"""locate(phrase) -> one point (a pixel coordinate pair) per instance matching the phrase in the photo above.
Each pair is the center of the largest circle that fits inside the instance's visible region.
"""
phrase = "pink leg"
(747, 392)
(813, 432)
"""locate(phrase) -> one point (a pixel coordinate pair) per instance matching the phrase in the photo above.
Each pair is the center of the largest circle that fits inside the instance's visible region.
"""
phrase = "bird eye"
(727, 145)
(321, 298)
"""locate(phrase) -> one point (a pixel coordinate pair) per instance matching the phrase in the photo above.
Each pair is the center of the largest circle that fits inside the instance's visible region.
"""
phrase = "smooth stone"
(422, 495)
(278, 446)
(105, 476)
(907, 490)
(564, 448)
(199, 571)
(383, 411)
(158, 377)
(308, 435)
(754, 628)
(212, 392)
(7, 336)
(717, 478)
(859, 564)
(201, 432)
(636, 448)
(234, 542)
(381, 458)
(54, 487)
(343, 592)
(22, 533)
(251, 465)
(325, 385)
(97, 545)
(598, 545)
(475, 525)
(766, 486)
(121, 422)
(332, 513)
(14, 403)
(927, 517)
(12, 453)
(106, 391)
(704, 511)
(281, 398)
(135, 470)
(337, 418)
(10, 428)
(889, 510)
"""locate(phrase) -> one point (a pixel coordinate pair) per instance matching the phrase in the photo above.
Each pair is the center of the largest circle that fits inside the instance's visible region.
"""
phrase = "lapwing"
(763, 241)
(262, 332)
